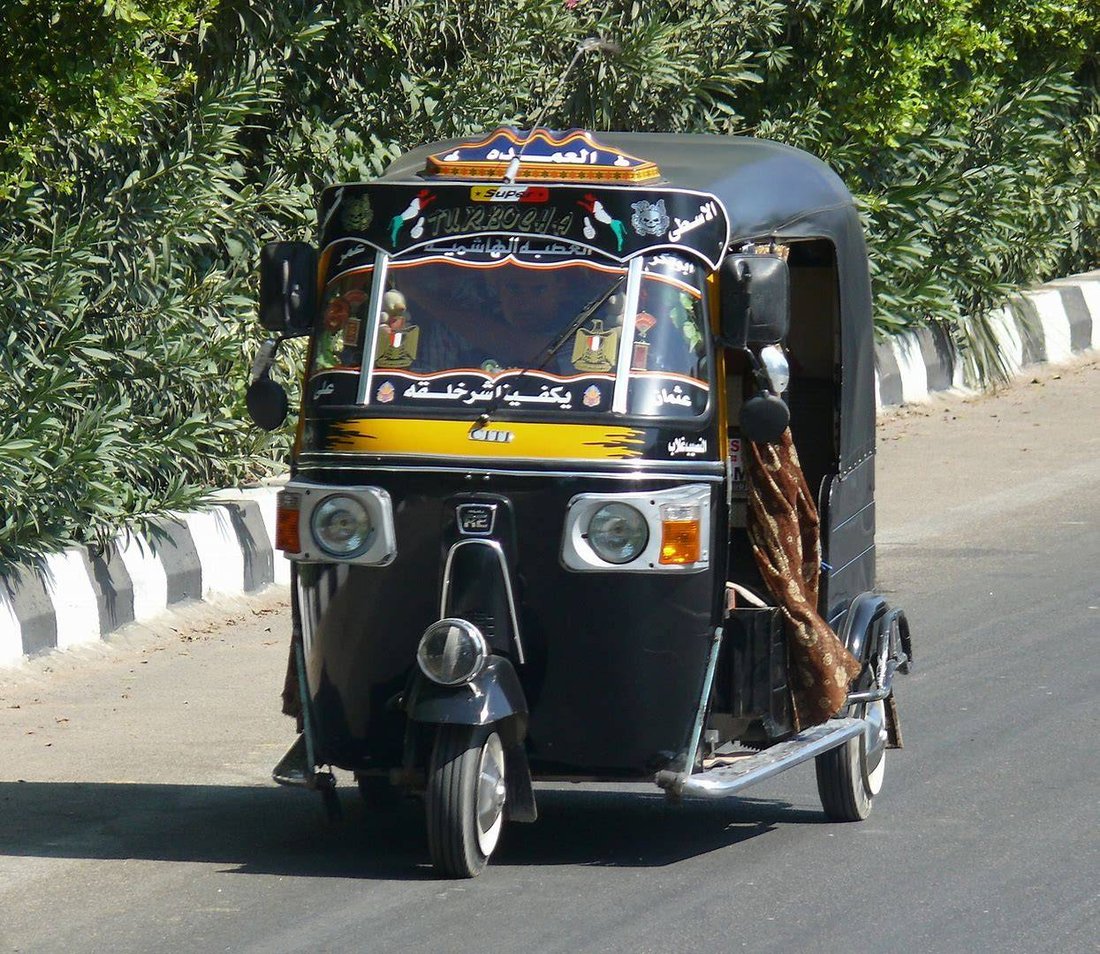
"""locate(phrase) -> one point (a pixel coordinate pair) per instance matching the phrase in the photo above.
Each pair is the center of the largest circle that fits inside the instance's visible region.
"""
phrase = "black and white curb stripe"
(1047, 325)
(79, 596)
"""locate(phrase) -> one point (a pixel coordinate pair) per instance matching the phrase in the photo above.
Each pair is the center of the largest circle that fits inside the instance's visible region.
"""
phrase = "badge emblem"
(594, 348)
(397, 347)
(476, 519)
(358, 214)
(385, 393)
(490, 436)
(649, 218)
(591, 396)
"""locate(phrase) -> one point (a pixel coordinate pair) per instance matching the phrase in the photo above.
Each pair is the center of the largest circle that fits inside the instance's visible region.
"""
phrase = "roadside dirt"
(1037, 440)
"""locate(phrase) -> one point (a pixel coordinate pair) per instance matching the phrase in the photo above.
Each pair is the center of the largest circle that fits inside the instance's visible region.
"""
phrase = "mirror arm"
(759, 372)
(265, 358)
(286, 294)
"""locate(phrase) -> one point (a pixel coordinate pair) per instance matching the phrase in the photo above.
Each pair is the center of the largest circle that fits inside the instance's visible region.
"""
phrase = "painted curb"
(81, 595)
(1047, 325)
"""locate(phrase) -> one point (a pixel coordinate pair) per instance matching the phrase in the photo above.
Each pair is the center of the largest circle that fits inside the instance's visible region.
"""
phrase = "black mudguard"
(495, 695)
(872, 628)
(862, 625)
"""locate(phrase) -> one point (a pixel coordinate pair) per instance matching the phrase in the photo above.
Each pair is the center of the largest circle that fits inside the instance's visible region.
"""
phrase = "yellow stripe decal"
(504, 439)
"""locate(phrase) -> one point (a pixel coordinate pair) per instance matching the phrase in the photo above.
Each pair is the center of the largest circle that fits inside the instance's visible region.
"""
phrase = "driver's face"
(528, 294)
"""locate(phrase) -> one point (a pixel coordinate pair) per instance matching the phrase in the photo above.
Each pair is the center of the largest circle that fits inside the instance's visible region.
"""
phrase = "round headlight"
(452, 651)
(341, 526)
(618, 533)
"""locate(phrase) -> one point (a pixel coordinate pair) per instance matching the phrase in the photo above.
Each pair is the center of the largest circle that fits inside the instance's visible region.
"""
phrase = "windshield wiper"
(503, 390)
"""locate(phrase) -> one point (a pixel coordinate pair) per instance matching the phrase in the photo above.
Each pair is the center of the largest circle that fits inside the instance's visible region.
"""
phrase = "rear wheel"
(465, 798)
(849, 777)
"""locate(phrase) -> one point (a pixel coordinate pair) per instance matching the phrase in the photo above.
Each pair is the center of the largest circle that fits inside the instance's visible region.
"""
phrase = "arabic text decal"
(535, 391)
(617, 221)
(542, 153)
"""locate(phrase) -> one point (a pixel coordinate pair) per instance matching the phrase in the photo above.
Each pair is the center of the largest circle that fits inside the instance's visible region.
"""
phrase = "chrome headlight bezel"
(578, 554)
(380, 546)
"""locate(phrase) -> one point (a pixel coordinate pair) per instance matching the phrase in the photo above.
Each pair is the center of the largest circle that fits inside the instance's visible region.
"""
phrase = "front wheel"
(465, 798)
(849, 777)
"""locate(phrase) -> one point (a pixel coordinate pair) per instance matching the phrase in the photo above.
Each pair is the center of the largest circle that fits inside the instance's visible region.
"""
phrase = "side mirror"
(267, 403)
(764, 418)
(288, 287)
(756, 300)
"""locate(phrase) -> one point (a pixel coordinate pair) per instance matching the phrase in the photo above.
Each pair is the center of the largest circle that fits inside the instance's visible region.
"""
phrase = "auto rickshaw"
(583, 486)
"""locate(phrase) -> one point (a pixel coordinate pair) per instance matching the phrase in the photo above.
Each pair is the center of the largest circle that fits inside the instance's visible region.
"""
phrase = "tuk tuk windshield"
(449, 332)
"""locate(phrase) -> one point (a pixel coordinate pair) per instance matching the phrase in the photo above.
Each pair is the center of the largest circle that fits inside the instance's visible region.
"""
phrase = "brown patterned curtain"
(784, 529)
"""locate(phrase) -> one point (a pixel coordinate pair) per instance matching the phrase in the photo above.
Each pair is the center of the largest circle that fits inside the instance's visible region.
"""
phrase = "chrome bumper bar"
(727, 780)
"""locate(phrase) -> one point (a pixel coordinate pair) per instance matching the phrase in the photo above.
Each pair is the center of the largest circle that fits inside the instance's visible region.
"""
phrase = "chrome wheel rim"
(491, 794)
(873, 745)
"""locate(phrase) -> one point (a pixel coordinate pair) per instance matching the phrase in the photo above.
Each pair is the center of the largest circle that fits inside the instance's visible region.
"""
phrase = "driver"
(530, 305)
(534, 306)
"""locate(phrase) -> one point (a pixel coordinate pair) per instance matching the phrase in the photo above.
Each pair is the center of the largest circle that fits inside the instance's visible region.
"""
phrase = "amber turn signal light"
(680, 532)
(288, 509)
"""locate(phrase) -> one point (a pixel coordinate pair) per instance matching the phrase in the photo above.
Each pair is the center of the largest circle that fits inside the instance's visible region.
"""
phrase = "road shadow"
(255, 830)
(637, 828)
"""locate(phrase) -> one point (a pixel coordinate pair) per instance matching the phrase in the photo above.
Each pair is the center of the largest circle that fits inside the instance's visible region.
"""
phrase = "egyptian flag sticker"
(594, 348)
(397, 347)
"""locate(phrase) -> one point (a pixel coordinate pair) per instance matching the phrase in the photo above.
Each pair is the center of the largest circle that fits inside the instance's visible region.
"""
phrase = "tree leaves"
(151, 146)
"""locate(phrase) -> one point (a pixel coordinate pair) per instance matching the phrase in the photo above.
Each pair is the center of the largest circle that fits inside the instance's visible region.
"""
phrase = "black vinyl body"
(614, 661)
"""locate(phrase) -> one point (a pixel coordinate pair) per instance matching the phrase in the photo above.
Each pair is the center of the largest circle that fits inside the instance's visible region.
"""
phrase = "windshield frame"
(366, 373)
(618, 410)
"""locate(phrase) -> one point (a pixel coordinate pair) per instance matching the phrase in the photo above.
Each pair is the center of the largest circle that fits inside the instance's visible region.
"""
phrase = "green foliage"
(149, 147)
(84, 68)
(125, 315)
(967, 130)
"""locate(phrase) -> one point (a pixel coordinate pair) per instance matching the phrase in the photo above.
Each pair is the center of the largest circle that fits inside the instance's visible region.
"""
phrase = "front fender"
(494, 695)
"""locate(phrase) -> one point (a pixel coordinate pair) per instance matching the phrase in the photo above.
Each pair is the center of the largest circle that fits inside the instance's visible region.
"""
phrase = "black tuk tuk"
(583, 483)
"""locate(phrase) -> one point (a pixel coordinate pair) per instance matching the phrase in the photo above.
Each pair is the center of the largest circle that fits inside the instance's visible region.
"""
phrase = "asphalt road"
(136, 812)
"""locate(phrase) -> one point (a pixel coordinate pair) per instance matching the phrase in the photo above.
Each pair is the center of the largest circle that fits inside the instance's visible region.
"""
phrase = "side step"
(728, 780)
(294, 767)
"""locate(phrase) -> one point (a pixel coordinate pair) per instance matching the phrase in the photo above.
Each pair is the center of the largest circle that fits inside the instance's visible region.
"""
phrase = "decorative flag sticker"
(594, 348)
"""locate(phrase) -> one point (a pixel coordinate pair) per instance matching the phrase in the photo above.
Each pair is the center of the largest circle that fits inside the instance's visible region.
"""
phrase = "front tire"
(849, 777)
(465, 798)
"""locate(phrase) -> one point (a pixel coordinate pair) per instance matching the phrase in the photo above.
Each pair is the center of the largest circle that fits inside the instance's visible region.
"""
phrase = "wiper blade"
(540, 360)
